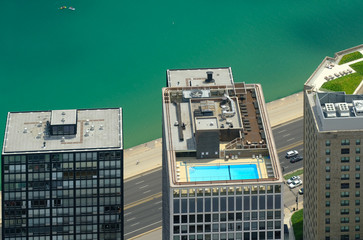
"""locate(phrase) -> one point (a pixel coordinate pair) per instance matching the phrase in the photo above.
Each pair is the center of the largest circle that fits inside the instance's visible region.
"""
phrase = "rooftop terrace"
(219, 127)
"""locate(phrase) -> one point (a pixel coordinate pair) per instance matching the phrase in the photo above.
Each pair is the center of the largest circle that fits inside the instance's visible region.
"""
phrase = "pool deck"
(183, 164)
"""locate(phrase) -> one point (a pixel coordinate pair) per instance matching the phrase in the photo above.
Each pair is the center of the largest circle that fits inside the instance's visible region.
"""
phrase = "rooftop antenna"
(87, 121)
(101, 127)
(39, 135)
(25, 130)
(92, 127)
(63, 139)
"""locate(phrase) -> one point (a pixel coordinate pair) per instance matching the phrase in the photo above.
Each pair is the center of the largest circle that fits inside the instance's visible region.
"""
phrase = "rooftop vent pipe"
(209, 77)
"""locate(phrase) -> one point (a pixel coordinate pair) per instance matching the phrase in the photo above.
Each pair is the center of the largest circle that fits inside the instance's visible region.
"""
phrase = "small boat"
(71, 8)
(63, 7)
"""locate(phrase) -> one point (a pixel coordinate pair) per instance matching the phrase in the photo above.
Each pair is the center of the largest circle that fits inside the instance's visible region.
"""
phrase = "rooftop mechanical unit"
(330, 110)
(358, 105)
(343, 109)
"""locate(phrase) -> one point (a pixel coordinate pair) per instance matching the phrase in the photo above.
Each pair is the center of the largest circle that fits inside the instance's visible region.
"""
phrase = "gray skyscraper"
(62, 175)
(221, 173)
(333, 131)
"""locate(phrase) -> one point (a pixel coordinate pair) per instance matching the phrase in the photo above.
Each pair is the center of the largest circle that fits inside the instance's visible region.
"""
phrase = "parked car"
(301, 191)
(293, 178)
(291, 153)
(295, 184)
(296, 159)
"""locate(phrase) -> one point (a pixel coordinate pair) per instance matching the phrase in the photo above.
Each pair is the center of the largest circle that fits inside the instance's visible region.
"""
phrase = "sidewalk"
(145, 157)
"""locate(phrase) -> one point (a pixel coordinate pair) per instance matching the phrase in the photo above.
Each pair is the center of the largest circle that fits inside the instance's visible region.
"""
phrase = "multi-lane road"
(143, 202)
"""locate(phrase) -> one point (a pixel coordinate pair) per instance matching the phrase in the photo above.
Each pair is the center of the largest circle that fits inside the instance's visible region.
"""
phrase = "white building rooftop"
(28, 132)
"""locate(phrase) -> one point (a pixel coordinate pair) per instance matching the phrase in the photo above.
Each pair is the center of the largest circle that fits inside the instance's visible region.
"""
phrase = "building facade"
(221, 174)
(62, 175)
(333, 131)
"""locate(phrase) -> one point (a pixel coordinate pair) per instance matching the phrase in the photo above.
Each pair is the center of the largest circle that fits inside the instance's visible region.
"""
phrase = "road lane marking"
(143, 186)
(158, 202)
(290, 146)
(130, 219)
(143, 234)
(286, 135)
(146, 191)
(134, 224)
(282, 131)
(139, 182)
(143, 228)
(288, 140)
(127, 213)
(141, 201)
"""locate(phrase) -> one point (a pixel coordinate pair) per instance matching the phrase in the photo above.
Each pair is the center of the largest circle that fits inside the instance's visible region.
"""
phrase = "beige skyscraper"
(333, 132)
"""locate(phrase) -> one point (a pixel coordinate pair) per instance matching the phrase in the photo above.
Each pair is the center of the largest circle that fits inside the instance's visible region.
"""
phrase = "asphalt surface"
(143, 204)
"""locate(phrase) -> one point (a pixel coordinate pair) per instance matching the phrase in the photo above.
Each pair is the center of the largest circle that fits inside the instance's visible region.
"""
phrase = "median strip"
(290, 146)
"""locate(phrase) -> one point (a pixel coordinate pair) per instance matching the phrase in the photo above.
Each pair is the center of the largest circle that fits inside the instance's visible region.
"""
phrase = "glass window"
(345, 142)
(344, 159)
(327, 212)
(327, 151)
(357, 202)
(215, 204)
(327, 160)
(327, 177)
(344, 168)
(357, 142)
(327, 195)
(327, 169)
(357, 176)
(327, 143)
(344, 151)
(327, 186)
(357, 159)
(357, 150)
(230, 203)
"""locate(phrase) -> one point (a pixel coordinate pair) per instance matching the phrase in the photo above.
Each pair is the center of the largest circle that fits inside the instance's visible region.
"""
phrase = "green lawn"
(297, 224)
(347, 83)
(296, 173)
(358, 67)
(350, 57)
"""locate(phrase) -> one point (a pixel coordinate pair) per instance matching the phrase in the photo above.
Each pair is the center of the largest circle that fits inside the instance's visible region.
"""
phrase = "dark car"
(296, 159)
(301, 191)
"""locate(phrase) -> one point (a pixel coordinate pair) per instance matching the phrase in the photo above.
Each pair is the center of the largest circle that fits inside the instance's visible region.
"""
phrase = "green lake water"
(115, 53)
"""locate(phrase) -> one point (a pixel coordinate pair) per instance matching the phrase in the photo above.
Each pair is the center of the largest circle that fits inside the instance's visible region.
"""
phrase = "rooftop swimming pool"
(223, 173)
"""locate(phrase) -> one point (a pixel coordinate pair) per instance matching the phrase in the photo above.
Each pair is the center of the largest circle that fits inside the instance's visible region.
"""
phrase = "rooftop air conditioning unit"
(330, 110)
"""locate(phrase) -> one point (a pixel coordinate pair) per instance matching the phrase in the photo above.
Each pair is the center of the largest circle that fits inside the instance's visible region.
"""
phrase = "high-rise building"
(333, 131)
(62, 175)
(221, 173)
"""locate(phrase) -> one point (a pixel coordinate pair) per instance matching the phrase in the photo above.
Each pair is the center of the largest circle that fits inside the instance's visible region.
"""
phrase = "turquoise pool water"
(225, 172)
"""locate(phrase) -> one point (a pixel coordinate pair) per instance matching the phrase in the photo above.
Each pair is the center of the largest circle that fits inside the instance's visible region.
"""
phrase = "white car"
(295, 184)
(291, 153)
(293, 179)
